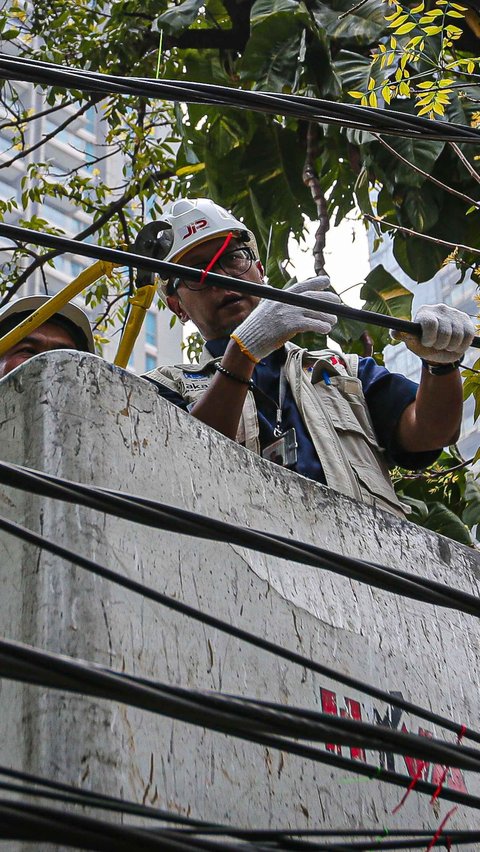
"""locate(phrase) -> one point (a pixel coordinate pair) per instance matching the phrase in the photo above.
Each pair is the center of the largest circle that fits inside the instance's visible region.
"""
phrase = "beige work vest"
(335, 414)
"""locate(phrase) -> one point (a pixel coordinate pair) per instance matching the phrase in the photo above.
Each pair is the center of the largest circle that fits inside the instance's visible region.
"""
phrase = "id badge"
(284, 450)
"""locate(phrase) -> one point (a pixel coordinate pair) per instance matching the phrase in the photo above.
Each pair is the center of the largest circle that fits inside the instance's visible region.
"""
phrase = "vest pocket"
(381, 493)
(347, 410)
(348, 414)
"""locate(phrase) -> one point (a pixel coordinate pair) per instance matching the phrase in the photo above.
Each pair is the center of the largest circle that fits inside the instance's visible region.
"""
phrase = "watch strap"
(441, 369)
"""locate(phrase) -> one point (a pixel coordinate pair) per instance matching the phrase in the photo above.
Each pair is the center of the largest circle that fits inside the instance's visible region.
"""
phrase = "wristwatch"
(441, 369)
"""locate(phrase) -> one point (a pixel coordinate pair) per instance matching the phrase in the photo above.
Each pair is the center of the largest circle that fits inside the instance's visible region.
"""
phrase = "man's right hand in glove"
(271, 324)
(267, 328)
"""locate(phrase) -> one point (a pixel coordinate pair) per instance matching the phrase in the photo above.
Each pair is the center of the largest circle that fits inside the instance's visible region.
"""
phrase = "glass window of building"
(150, 362)
(151, 329)
(90, 120)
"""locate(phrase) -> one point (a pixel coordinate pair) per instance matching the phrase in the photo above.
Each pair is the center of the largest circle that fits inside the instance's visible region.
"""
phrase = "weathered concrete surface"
(78, 417)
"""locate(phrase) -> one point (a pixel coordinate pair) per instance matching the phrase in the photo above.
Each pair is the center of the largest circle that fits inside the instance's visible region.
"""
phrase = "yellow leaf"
(470, 67)
(404, 89)
(425, 110)
(438, 108)
(405, 28)
(356, 94)
(393, 42)
(418, 8)
(426, 100)
(432, 30)
(392, 294)
(190, 170)
(398, 21)
(396, 13)
(447, 81)
(454, 14)
(371, 84)
(372, 100)
(390, 59)
(386, 94)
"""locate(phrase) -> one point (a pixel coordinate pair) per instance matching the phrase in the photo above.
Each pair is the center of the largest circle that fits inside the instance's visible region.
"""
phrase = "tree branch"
(353, 9)
(48, 136)
(101, 319)
(425, 174)
(474, 174)
(310, 179)
(90, 163)
(36, 115)
(413, 233)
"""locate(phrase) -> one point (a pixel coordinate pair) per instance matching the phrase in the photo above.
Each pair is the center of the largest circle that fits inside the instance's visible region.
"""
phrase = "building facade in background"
(79, 146)
(444, 287)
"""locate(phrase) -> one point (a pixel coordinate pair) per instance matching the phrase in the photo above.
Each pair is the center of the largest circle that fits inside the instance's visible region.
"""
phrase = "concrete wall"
(78, 417)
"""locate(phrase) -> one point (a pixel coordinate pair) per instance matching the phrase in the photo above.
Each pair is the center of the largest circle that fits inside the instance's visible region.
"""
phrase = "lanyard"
(282, 390)
(278, 405)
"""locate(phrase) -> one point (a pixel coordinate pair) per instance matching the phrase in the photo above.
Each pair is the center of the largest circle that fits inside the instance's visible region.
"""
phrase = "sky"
(346, 259)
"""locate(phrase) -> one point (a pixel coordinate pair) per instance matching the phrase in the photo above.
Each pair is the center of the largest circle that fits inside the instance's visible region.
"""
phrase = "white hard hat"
(73, 316)
(197, 220)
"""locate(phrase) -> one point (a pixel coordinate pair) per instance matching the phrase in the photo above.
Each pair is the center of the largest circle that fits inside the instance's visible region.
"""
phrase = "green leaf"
(420, 508)
(420, 260)
(271, 55)
(363, 192)
(353, 70)
(383, 294)
(363, 24)
(442, 520)
(175, 20)
(422, 153)
(421, 207)
(471, 515)
(266, 8)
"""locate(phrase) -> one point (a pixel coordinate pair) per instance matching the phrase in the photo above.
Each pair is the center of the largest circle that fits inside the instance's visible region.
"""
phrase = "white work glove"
(271, 324)
(446, 334)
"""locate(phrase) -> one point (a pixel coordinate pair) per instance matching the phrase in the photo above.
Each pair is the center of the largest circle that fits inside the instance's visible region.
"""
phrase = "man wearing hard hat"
(336, 418)
(67, 329)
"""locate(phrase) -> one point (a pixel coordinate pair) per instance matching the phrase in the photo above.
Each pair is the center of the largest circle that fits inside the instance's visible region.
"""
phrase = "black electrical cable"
(122, 258)
(288, 839)
(36, 824)
(173, 519)
(31, 665)
(39, 823)
(148, 593)
(68, 794)
(243, 718)
(387, 121)
(238, 633)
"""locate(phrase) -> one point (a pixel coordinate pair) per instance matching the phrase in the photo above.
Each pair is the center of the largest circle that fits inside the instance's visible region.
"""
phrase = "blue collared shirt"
(387, 395)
